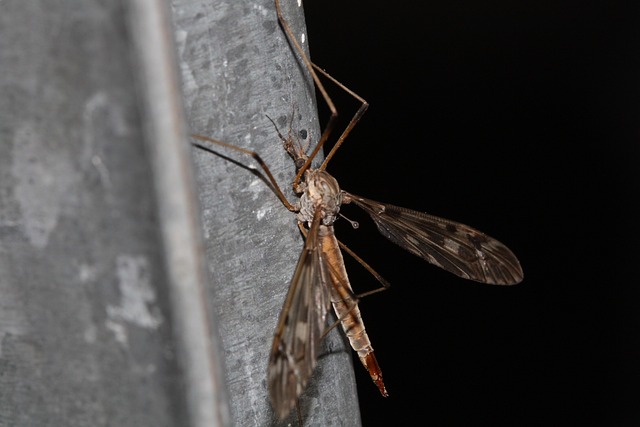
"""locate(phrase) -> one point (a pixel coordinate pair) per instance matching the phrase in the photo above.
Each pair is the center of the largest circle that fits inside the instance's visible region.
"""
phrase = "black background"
(519, 118)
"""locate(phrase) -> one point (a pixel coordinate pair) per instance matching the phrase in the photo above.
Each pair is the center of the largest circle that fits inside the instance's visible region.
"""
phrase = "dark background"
(520, 119)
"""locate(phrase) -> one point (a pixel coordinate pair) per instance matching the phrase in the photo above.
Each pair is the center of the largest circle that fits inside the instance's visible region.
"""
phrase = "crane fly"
(320, 279)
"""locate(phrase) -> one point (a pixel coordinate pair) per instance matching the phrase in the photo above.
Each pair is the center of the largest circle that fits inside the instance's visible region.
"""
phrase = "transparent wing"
(455, 247)
(296, 343)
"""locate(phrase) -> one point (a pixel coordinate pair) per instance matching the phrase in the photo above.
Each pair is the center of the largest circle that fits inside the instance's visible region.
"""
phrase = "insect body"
(320, 278)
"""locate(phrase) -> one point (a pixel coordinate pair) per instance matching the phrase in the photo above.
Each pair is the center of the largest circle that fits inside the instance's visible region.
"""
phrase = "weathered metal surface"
(237, 67)
(89, 331)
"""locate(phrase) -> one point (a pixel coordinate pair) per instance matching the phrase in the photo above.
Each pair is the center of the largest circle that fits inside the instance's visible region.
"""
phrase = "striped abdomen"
(346, 307)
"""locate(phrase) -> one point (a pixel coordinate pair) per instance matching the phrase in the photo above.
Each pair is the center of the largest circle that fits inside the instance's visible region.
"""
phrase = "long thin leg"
(257, 158)
(385, 284)
(354, 120)
(334, 112)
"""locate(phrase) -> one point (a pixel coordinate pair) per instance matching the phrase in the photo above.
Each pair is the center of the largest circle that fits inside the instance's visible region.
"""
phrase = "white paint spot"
(97, 101)
(102, 170)
(137, 297)
(261, 9)
(261, 213)
(256, 188)
(118, 331)
(302, 38)
(299, 3)
(86, 273)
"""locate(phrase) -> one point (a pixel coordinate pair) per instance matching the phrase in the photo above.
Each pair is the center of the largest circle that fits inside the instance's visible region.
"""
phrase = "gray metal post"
(102, 320)
(195, 328)
(237, 67)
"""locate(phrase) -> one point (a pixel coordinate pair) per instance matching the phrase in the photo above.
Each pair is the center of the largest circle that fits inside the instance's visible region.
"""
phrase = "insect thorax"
(319, 191)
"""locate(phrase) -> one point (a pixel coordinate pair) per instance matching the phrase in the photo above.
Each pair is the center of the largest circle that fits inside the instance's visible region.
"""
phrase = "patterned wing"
(296, 343)
(455, 247)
